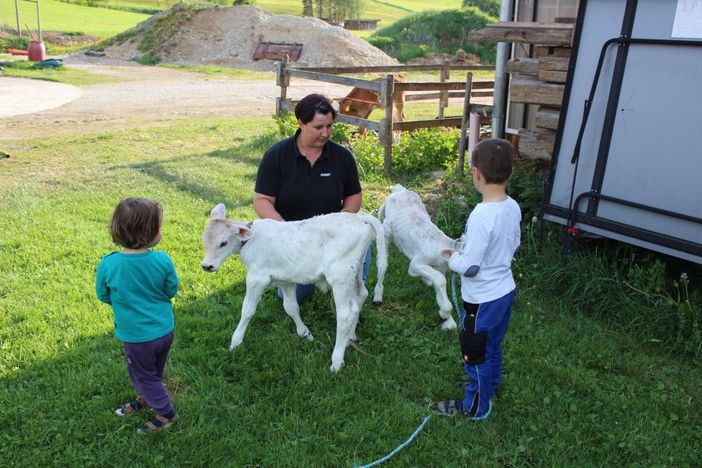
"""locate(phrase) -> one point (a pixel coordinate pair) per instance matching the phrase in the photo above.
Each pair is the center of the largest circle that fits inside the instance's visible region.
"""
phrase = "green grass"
(66, 17)
(576, 392)
(104, 23)
(64, 74)
(77, 77)
(387, 12)
(226, 72)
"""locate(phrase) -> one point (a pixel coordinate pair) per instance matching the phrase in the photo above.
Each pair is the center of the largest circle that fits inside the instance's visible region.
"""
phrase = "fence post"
(387, 86)
(283, 81)
(464, 124)
(443, 77)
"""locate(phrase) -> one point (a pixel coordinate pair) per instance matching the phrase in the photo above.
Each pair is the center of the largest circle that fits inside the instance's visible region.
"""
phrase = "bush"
(490, 7)
(14, 42)
(285, 123)
(526, 186)
(148, 59)
(425, 149)
(369, 155)
(434, 31)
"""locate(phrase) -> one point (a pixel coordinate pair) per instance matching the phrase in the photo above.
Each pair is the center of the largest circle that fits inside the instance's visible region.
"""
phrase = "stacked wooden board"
(539, 80)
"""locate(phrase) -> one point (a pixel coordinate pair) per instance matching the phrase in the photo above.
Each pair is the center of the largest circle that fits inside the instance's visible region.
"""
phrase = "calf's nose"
(207, 267)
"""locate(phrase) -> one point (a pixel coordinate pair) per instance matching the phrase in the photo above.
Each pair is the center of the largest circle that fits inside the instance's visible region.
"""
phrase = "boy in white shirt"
(490, 240)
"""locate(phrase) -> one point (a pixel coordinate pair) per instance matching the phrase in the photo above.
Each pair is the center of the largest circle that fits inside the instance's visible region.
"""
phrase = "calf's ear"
(240, 230)
(244, 233)
(218, 212)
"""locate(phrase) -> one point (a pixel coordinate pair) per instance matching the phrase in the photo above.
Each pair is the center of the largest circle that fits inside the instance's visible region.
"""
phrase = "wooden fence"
(386, 86)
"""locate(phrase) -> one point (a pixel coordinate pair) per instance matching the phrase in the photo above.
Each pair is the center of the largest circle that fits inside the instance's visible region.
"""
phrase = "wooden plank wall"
(539, 80)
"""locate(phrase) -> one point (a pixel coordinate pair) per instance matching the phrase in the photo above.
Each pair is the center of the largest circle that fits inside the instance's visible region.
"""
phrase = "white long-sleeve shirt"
(491, 238)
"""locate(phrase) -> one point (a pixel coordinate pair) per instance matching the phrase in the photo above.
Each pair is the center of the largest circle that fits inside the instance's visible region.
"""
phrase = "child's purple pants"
(145, 362)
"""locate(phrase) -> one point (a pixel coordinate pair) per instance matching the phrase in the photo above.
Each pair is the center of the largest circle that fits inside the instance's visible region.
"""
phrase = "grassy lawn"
(104, 23)
(575, 392)
(386, 11)
(64, 74)
(68, 17)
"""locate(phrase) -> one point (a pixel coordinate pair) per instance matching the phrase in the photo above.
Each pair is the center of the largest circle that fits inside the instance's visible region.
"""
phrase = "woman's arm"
(264, 206)
(352, 203)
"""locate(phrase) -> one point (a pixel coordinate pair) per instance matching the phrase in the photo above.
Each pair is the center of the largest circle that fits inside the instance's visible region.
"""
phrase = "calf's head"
(222, 237)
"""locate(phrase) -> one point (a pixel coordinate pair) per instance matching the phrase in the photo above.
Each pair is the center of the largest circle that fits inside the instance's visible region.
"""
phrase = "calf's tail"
(381, 258)
(381, 212)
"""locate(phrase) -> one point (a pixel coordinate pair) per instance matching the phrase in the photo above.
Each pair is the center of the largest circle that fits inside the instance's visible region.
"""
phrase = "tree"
(335, 10)
(491, 7)
(307, 8)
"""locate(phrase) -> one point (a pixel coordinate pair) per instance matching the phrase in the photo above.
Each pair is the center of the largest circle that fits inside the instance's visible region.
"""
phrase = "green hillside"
(424, 26)
(68, 17)
(105, 22)
(434, 31)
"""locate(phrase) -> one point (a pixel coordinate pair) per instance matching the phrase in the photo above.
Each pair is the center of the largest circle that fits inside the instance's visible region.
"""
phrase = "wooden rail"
(385, 87)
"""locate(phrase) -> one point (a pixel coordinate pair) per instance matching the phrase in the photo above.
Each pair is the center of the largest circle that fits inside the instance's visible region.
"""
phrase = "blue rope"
(456, 306)
(403, 445)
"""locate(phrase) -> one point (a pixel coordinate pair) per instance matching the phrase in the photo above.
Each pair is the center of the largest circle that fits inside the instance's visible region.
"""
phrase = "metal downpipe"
(500, 93)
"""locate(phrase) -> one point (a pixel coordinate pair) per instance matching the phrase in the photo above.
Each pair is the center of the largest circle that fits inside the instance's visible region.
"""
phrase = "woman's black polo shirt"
(302, 191)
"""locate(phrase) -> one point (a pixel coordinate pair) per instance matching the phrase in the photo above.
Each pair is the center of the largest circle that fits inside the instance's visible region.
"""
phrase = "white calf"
(409, 226)
(326, 250)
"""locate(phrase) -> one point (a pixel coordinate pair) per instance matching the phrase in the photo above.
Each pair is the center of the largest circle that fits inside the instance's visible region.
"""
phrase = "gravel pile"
(228, 36)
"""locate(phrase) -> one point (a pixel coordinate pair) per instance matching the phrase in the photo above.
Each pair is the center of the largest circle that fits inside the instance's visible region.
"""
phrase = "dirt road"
(148, 95)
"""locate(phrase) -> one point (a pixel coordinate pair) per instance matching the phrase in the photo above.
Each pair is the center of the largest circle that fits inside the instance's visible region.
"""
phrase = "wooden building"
(361, 24)
(540, 35)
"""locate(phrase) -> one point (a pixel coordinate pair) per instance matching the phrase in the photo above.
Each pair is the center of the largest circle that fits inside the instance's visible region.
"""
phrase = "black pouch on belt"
(472, 344)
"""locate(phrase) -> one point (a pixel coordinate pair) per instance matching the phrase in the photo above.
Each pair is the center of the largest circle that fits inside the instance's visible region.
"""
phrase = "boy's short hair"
(495, 158)
(136, 222)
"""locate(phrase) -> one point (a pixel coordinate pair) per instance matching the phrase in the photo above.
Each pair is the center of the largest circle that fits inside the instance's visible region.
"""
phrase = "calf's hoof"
(448, 324)
(377, 303)
(234, 344)
(336, 367)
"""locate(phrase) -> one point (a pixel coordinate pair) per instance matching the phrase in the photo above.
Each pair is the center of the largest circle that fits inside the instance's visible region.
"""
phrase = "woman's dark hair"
(136, 222)
(312, 104)
(495, 158)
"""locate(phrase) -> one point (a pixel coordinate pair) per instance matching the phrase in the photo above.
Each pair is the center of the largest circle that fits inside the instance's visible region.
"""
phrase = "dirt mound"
(229, 36)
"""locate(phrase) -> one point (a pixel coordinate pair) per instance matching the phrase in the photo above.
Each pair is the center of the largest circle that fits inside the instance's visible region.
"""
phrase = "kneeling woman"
(307, 174)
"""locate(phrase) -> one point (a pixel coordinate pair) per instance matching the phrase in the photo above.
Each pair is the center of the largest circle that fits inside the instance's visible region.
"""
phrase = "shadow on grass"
(59, 410)
(248, 154)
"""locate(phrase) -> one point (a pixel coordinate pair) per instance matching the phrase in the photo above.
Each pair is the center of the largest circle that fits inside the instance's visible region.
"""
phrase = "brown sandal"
(158, 423)
(132, 407)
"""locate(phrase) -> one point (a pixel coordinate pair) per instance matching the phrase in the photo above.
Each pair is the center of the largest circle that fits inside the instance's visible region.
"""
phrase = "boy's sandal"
(449, 407)
(453, 407)
(131, 407)
(158, 423)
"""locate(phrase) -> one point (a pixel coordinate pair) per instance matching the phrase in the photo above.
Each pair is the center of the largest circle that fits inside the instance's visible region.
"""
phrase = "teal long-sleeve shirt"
(140, 288)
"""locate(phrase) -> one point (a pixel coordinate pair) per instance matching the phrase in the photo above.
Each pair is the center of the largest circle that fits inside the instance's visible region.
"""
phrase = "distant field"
(104, 23)
(65, 17)
(386, 11)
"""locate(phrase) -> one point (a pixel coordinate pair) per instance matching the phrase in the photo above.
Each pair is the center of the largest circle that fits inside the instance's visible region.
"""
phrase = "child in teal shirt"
(139, 284)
